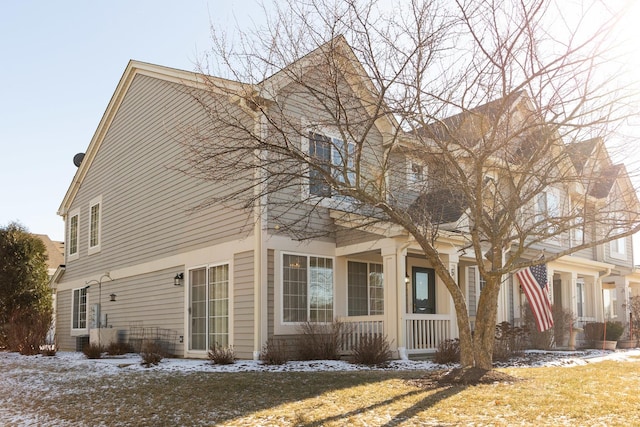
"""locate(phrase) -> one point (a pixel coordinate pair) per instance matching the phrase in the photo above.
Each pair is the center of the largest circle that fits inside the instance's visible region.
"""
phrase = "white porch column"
(394, 273)
(597, 298)
(572, 293)
(454, 260)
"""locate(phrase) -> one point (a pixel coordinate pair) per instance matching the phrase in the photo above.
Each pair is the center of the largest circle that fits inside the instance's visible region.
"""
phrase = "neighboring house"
(55, 253)
(140, 262)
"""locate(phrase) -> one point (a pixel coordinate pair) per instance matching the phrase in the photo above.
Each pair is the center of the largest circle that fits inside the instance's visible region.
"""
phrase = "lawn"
(34, 393)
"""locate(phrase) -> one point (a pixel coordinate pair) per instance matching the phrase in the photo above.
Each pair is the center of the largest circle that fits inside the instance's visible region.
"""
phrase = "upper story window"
(333, 156)
(307, 289)
(72, 235)
(79, 309)
(547, 209)
(416, 173)
(95, 224)
(577, 231)
(618, 247)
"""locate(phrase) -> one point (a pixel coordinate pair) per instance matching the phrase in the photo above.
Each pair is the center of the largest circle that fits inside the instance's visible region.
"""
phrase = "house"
(148, 257)
(55, 253)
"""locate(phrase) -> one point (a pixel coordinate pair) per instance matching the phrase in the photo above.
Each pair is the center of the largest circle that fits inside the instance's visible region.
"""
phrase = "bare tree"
(326, 109)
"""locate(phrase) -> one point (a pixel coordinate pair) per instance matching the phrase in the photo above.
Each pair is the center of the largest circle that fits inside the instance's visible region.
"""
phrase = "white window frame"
(581, 300)
(335, 159)
(79, 330)
(610, 303)
(618, 247)
(544, 213)
(369, 286)
(75, 255)
(189, 296)
(415, 181)
(94, 248)
(309, 284)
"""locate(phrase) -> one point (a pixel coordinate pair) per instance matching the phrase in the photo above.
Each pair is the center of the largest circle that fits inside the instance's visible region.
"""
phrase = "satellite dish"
(77, 159)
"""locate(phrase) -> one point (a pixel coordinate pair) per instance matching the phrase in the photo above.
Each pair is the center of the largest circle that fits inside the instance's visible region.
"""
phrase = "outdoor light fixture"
(406, 279)
(177, 281)
(113, 297)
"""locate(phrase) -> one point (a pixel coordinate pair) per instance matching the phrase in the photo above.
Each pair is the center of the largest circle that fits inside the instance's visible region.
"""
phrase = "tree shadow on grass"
(403, 416)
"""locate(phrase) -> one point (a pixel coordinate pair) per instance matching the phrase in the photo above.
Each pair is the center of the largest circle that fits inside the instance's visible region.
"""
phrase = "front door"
(424, 290)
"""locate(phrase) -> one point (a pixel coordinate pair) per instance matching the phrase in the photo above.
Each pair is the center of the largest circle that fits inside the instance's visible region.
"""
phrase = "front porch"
(422, 332)
(411, 307)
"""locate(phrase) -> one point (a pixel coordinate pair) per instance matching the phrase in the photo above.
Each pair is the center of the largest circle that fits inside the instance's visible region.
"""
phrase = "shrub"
(634, 308)
(321, 341)
(563, 320)
(119, 348)
(151, 353)
(274, 352)
(372, 350)
(538, 340)
(92, 351)
(26, 330)
(593, 331)
(509, 341)
(448, 352)
(220, 355)
(614, 330)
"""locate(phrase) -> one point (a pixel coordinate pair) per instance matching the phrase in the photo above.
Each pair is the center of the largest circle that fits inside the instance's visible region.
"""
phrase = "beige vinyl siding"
(150, 300)
(147, 205)
(346, 236)
(243, 304)
(63, 321)
(305, 113)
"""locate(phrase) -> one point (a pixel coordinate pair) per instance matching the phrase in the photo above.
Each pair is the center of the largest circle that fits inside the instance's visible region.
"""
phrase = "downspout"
(259, 327)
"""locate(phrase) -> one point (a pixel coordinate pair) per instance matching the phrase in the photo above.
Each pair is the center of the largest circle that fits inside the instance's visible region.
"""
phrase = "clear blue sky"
(60, 64)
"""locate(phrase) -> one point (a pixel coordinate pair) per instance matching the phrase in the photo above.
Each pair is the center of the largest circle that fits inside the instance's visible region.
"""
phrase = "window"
(95, 219)
(365, 289)
(72, 236)
(618, 247)
(580, 301)
(333, 156)
(578, 228)
(79, 309)
(547, 210)
(416, 173)
(610, 302)
(307, 288)
(209, 298)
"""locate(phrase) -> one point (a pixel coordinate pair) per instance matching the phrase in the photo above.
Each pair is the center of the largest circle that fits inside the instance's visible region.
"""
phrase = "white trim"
(332, 134)
(412, 183)
(96, 201)
(76, 254)
(188, 352)
(80, 331)
(288, 328)
(368, 264)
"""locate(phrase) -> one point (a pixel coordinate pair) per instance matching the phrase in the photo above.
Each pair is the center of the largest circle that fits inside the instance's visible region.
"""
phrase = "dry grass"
(595, 394)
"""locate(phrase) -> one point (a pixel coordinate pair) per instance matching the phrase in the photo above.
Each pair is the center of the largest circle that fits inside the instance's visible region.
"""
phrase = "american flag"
(533, 281)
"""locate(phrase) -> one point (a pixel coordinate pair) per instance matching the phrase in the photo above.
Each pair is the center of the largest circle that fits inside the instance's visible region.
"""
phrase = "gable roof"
(133, 69)
(352, 70)
(55, 251)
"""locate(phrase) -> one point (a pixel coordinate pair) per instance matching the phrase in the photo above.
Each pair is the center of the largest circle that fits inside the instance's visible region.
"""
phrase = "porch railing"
(424, 332)
(357, 327)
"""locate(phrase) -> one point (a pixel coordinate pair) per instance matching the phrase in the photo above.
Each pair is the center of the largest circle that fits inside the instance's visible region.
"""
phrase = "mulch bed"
(461, 377)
